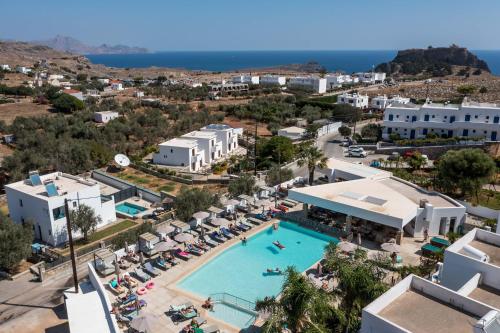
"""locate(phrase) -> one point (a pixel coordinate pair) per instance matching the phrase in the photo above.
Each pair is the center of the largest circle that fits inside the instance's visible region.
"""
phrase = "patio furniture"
(211, 329)
(210, 242)
(115, 287)
(183, 254)
(255, 221)
(141, 275)
(191, 249)
(440, 242)
(346, 247)
(215, 236)
(183, 237)
(151, 270)
(243, 226)
(161, 263)
(146, 322)
(147, 242)
(429, 250)
(183, 306)
(227, 233)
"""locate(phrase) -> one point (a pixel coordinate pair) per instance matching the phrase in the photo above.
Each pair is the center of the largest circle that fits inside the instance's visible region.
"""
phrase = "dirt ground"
(248, 125)
(23, 108)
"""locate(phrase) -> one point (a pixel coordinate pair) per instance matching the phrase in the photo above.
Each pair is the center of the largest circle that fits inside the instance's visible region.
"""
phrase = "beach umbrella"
(391, 247)
(146, 323)
(126, 247)
(220, 222)
(183, 237)
(141, 258)
(165, 246)
(346, 246)
(117, 270)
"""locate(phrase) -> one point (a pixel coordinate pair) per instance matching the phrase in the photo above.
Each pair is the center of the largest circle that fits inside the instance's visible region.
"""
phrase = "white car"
(357, 153)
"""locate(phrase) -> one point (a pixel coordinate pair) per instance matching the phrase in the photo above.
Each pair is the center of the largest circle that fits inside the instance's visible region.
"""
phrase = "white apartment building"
(469, 119)
(416, 305)
(40, 199)
(181, 152)
(5, 67)
(380, 102)
(310, 83)
(371, 77)
(337, 80)
(249, 79)
(116, 85)
(358, 101)
(104, 117)
(273, 80)
(207, 141)
(227, 135)
(463, 297)
(23, 70)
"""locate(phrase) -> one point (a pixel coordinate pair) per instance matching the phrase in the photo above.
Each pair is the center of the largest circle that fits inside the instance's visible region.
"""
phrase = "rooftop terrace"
(493, 251)
(486, 295)
(420, 313)
(180, 142)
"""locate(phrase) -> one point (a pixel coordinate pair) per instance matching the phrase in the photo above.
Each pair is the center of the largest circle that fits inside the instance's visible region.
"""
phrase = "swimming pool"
(241, 269)
(129, 208)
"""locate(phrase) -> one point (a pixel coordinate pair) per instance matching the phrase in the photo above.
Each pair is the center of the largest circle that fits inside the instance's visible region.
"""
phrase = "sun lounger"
(161, 263)
(129, 299)
(151, 270)
(255, 221)
(172, 261)
(209, 241)
(243, 226)
(211, 329)
(141, 275)
(293, 202)
(185, 315)
(183, 254)
(429, 250)
(227, 233)
(199, 320)
(192, 249)
(287, 204)
(217, 238)
(200, 245)
(439, 242)
(132, 257)
(176, 308)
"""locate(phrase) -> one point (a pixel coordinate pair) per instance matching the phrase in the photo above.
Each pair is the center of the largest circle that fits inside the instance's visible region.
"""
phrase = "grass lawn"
(100, 234)
(488, 198)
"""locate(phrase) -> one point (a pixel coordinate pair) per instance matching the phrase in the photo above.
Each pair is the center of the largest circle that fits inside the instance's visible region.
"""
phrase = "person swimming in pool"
(244, 241)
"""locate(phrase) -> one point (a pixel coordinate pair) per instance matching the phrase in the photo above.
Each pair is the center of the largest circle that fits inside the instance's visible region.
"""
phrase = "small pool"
(130, 209)
(241, 269)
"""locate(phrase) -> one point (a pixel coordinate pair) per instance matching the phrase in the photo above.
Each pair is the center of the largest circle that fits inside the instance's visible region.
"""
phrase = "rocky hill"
(72, 45)
(432, 61)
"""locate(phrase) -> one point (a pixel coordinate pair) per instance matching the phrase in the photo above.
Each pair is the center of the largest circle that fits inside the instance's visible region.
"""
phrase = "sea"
(224, 61)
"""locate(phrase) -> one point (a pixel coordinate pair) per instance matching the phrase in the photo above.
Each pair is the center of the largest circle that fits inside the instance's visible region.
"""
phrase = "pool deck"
(166, 293)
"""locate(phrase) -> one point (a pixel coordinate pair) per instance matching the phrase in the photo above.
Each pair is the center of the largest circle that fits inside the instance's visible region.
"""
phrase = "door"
(494, 136)
(453, 221)
(39, 232)
(450, 133)
(412, 134)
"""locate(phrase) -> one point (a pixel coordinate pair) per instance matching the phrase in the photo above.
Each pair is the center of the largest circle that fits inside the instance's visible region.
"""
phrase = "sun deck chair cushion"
(211, 329)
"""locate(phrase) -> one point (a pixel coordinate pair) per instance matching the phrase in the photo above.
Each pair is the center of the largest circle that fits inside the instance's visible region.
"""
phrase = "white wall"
(172, 155)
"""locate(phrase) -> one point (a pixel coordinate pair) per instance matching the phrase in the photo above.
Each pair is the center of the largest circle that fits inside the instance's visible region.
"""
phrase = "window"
(397, 116)
(467, 117)
(426, 117)
(58, 213)
(171, 150)
(74, 204)
(391, 117)
(389, 130)
(192, 152)
(476, 116)
(496, 120)
(20, 202)
(424, 131)
(465, 132)
(452, 119)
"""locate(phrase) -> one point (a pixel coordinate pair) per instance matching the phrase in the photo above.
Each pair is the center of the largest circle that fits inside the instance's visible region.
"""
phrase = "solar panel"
(35, 179)
(51, 189)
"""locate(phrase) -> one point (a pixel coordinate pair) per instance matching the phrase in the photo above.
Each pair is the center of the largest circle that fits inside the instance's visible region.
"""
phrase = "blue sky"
(258, 24)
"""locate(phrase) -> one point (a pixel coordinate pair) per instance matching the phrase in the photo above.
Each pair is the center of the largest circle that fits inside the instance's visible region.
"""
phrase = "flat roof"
(217, 127)
(360, 170)
(107, 112)
(179, 142)
(63, 182)
(487, 295)
(491, 250)
(367, 194)
(420, 313)
(293, 129)
(415, 193)
(86, 312)
(200, 134)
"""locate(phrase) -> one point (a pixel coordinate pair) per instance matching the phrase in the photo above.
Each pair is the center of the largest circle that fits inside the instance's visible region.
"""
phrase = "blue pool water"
(241, 269)
(129, 208)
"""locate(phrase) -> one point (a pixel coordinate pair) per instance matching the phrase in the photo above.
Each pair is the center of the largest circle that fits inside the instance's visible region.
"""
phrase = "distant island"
(434, 61)
(72, 45)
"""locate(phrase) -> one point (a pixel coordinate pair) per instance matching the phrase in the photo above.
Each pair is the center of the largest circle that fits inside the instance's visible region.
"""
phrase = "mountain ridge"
(75, 46)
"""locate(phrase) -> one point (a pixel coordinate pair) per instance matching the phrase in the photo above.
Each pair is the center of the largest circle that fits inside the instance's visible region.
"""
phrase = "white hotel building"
(275, 80)
(40, 200)
(465, 297)
(381, 102)
(198, 149)
(310, 83)
(248, 79)
(337, 80)
(469, 119)
(358, 101)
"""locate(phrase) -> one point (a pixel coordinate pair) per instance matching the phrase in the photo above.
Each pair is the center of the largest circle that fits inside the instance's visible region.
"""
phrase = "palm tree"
(359, 283)
(312, 157)
(300, 308)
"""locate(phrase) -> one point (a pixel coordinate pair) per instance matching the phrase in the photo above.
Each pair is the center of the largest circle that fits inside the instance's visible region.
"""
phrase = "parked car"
(358, 153)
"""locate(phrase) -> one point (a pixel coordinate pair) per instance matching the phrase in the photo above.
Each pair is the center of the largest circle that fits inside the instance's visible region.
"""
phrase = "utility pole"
(70, 239)
(255, 149)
